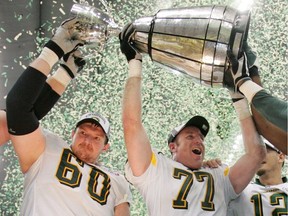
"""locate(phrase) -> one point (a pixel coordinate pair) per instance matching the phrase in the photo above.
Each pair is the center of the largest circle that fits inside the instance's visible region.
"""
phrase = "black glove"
(239, 70)
(126, 43)
(251, 59)
(73, 63)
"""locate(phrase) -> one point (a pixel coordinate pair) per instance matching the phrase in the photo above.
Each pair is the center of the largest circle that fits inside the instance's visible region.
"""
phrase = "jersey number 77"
(180, 202)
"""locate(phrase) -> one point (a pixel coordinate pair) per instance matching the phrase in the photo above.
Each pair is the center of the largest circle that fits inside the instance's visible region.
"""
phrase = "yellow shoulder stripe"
(226, 171)
(153, 159)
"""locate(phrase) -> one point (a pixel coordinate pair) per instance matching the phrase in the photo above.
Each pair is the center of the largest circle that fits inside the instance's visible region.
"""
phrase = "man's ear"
(73, 133)
(106, 147)
(282, 157)
(172, 147)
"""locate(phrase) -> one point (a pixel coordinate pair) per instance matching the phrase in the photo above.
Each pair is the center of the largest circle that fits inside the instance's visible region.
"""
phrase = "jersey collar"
(257, 181)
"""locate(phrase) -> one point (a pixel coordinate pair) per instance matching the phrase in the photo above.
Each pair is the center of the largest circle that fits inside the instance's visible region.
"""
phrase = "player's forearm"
(132, 104)
(245, 168)
(253, 144)
(58, 87)
(136, 140)
(41, 65)
(45, 101)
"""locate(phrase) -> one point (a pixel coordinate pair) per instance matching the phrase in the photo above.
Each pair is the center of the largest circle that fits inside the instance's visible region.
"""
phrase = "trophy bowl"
(194, 41)
(95, 27)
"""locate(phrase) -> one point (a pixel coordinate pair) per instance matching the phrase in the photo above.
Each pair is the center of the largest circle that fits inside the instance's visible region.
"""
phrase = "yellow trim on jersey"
(226, 171)
(153, 159)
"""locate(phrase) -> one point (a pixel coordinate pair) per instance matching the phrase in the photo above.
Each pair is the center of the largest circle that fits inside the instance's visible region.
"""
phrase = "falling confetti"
(168, 99)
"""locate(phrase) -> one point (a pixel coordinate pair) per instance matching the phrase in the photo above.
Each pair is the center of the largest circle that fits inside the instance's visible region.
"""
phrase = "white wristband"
(242, 109)
(249, 89)
(62, 77)
(135, 68)
(49, 56)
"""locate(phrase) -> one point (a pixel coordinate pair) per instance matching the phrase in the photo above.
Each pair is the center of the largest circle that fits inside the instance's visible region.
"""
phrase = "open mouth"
(197, 151)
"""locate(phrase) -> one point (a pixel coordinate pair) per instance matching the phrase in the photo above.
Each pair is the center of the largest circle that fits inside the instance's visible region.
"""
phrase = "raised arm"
(52, 90)
(269, 112)
(23, 124)
(245, 168)
(136, 140)
(247, 165)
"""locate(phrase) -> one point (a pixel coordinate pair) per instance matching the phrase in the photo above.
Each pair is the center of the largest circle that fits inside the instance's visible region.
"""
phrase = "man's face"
(188, 147)
(88, 141)
(270, 163)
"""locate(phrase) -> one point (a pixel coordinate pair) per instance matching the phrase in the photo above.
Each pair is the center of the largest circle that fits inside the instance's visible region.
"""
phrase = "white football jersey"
(60, 184)
(260, 200)
(169, 188)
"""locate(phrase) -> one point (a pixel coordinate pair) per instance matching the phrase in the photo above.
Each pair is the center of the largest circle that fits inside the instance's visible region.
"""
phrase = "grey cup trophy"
(194, 40)
(95, 26)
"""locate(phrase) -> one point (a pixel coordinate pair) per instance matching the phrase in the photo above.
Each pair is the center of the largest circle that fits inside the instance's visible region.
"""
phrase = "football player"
(62, 179)
(180, 186)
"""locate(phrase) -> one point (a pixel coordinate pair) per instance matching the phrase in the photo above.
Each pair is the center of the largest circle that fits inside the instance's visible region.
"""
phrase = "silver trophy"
(95, 27)
(194, 40)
